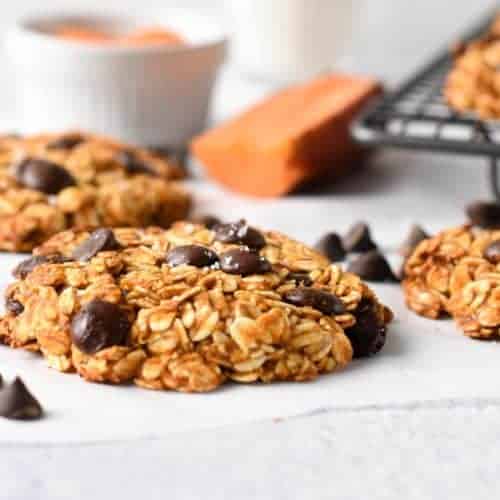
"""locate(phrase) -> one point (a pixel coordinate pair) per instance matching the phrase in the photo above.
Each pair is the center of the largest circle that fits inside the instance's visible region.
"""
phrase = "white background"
(391, 36)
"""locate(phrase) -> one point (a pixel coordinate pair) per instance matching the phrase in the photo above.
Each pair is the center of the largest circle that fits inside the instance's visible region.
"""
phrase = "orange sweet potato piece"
(290, 138)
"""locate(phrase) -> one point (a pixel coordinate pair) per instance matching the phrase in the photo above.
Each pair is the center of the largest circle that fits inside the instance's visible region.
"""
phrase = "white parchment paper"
(423, 360)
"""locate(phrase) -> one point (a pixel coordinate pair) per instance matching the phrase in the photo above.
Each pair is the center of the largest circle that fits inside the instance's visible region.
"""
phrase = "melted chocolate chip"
(133, 165)
(66, 142)
(301, 278)
(372, 266)
(492, 252)
(326, 302)
(244, 262)
(330, 245)
(43, 175)
(17, 402)
(100, 240)
(368, 335)
(359, 239)
(415, 236)
(26, 266)
(192, 255)
(13, 306)
(240, 233)
(209, 221)
(99, 324)
(484, 214)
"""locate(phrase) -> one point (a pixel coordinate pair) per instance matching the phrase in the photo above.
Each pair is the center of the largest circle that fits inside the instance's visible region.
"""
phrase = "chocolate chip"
(241, 233)
(359, 239)
(492, 252)
(100, 240)
(209, 221)
(330, 245)
(326, 302)
(244, 262)
(13, 306)
(43, 175)
(372, 266)
(99, 324)
(415, 236)
(66, 142)
(368, 335)
(133, 165)
(17, 402)
(300, 278)
(484, 214)
(192, 255)
(26, 266)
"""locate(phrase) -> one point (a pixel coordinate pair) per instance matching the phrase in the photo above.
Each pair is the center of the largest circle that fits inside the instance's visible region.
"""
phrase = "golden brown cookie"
(457, 272)
(190, 308)
(473, 83)
(53, 182)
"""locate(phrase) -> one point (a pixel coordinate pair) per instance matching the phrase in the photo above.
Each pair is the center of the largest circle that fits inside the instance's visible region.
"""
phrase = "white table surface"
(402, 436)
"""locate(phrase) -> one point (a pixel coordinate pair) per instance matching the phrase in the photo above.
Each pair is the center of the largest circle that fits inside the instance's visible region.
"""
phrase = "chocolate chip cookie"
(457, 273)
(50, 183)
(190, 307)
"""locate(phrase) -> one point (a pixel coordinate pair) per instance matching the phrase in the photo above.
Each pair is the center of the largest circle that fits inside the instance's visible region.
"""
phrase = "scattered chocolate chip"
(241, 233)
(99, 324)
(415, 236)
(134, 165)
(100, 240)
(244, 262)
(484, 214)
(368, 335)
(330, 245)
(13, 306)
(326, 302)
(192, 255)
(300, 278)
(372, 266)
(492, 252)
(17, 402)
(359, 239)
(209, 221)
(43, 175)
(66, 142)
(26, 266)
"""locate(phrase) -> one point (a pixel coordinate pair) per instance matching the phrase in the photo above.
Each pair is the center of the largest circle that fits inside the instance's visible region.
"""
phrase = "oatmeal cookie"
(49, 183)
(473, 83)
(190, 307)
(457, 272)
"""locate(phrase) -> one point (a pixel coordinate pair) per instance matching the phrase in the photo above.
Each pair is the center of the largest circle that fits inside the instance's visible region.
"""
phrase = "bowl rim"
(23, 29)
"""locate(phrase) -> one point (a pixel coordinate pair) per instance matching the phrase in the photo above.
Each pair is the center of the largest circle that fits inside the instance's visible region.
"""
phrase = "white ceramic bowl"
(150, 95)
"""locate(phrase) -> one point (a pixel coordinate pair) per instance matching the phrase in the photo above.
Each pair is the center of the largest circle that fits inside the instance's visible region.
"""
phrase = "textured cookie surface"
(457, 272)
(189, 308)
(49, 183)
(473, 83)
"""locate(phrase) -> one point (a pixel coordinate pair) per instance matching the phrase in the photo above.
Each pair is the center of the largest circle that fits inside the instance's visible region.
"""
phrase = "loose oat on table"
(457, 272)
(53, 182)
(189, 308)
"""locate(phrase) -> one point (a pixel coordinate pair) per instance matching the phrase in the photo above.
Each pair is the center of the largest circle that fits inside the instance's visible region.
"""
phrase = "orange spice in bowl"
(140, 37)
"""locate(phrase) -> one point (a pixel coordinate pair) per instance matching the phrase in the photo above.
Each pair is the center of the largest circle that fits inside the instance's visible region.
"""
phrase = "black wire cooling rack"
(416, 116)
